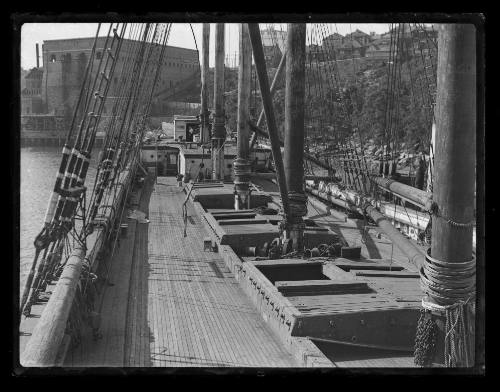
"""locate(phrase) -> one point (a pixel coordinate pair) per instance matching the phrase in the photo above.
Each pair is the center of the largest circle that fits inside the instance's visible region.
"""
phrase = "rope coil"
(447, 282)
(452, 288)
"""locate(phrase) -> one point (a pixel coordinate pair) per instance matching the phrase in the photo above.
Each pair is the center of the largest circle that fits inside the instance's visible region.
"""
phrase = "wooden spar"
(307, 177)
(218, 127)
(351, 200)
(331, 199)
(454, 163)
(417, 196)
(274, 84)
(307, 156)
(244, 80)
(414, 255)
(294, 131)
(204, 116)
(241, 165)
(260, 66)
(46, 342)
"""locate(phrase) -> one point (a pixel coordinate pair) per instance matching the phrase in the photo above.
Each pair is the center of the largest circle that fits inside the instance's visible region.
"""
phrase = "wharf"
(172, 304)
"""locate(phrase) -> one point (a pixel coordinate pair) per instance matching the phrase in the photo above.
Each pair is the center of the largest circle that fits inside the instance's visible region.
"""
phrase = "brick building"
(65, 61)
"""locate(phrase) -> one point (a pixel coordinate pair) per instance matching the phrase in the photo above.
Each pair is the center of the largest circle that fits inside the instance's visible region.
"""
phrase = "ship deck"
(171, 303)
(356, 232)
(168, 302)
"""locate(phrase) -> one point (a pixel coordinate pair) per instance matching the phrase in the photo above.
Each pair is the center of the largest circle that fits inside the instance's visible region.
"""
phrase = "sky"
(181, 35)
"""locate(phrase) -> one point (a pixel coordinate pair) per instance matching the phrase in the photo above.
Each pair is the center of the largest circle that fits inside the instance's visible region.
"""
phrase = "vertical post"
(37, 56)
(451, 300)
(242, 165)
(218, 128)
(204, 82)
(294, 132)
(455, 159)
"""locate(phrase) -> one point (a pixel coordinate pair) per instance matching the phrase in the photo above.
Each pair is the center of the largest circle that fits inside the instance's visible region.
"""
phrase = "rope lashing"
(242, 171)
(452, 287)
(448, 282)
(298, 204)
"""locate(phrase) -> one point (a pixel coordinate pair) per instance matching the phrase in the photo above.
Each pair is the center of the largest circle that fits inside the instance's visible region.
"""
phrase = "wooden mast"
(294, 132)
(242, 165)
(218, 127)
(454, 163)
(448, 275)
(204, 116)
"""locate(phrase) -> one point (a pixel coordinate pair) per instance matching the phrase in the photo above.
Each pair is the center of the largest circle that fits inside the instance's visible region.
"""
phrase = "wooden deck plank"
(214, 323)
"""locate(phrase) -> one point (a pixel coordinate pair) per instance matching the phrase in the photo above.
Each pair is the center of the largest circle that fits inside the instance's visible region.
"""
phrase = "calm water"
(38, 172)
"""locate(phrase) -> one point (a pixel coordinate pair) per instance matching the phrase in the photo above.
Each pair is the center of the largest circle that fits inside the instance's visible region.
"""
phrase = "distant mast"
(294, 132)
(218, 127)
(204, 116)
(241, 165)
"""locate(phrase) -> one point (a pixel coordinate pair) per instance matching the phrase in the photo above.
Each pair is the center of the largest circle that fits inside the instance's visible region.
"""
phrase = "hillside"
(354, 90)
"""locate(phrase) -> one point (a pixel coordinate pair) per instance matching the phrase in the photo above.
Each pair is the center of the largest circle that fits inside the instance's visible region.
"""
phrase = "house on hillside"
(333, 41)
(351, 49)
(360, 36)
(379, 50)
(315, 53)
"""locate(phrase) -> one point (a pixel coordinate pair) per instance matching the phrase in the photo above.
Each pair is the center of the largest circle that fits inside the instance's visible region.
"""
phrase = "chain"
(457, 224)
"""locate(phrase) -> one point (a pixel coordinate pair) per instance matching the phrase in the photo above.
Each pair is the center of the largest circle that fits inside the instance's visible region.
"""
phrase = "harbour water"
(38, 170)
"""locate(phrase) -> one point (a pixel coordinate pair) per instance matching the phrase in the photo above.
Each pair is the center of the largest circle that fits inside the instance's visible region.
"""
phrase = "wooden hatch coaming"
(340, 307)
(380, 308)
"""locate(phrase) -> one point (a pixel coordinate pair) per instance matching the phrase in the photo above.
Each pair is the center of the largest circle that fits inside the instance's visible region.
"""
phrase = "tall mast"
(449, 272)
(218, 128)
(241, 164)
(204, 83)
(294, 131)
(455, 159)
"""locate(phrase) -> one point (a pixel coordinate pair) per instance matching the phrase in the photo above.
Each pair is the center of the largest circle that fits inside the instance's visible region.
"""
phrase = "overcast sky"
(180, 35)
